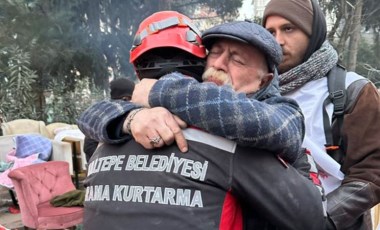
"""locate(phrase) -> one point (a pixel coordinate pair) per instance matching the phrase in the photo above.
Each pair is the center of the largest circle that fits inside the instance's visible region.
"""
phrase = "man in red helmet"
(165, 42)
(168, 190)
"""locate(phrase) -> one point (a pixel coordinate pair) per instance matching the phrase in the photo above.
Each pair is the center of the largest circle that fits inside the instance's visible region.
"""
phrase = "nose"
(220, 62)
(280, 39)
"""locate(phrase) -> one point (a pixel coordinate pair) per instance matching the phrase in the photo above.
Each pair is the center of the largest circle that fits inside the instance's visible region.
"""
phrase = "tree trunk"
(345, 13)
(376, 40)
(355, 36)
(335, 27)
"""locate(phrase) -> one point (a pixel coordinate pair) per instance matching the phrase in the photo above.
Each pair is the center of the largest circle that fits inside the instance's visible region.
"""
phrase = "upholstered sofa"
(61, 150)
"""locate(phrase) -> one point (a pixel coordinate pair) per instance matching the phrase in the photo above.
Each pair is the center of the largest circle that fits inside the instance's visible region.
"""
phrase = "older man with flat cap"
(128, 185)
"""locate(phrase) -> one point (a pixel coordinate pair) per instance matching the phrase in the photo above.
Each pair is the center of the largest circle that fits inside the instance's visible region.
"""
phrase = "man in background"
(350, 161)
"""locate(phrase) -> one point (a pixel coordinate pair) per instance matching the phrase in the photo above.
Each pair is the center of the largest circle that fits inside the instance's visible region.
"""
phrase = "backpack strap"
(336, 80)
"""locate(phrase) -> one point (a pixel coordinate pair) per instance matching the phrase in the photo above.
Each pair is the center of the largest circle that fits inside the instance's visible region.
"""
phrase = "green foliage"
(371, 15)
(258, 20)
(50, 48)
(342, 31)
(367, 63)
(17, 97)
(63, 105)
(366, 56)
(66, 48)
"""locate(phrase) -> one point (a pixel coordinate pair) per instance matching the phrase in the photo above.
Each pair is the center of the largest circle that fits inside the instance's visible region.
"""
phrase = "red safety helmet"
(167, 41)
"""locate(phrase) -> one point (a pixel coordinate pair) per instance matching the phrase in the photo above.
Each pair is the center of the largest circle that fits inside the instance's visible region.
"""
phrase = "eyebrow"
(288, 24)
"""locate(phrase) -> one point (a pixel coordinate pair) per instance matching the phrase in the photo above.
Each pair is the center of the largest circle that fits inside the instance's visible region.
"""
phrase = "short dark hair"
(121, 87)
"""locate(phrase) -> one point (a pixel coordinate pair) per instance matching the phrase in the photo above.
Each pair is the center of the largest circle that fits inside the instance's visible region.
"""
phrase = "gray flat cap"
(247, 32)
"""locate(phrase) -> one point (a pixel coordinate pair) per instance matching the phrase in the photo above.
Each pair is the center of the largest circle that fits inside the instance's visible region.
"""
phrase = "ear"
(266, 79)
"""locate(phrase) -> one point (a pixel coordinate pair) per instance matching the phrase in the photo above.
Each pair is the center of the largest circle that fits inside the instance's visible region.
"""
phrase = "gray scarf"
(316, 67)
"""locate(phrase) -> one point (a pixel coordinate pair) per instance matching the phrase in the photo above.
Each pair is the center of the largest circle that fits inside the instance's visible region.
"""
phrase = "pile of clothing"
(29, 149)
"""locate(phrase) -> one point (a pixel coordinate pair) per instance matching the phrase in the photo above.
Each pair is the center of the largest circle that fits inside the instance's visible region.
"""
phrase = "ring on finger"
(155, 140)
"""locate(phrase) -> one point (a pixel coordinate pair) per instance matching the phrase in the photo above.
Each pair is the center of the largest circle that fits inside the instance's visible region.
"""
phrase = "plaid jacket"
(263, 120)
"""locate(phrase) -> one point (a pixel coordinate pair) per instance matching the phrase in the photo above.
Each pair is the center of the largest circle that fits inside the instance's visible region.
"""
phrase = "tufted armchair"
(35, 186)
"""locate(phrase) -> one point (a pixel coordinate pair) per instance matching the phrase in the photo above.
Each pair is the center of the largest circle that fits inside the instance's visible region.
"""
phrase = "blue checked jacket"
(262, 120)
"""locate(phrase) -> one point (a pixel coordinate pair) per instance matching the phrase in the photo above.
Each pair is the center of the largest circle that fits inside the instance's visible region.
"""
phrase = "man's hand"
(156, 127)
(142, 90)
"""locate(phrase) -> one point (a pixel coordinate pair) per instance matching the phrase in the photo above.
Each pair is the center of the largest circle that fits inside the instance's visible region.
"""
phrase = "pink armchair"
(35, 186)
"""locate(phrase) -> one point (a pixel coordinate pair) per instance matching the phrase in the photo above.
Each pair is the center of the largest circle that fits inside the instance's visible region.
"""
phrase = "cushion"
(27, 145)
